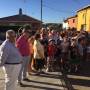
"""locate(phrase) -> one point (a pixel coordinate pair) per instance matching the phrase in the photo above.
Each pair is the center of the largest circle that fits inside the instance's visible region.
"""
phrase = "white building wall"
(65, 25)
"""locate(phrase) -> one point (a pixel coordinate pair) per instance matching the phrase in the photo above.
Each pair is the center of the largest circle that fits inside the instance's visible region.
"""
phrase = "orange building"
(72, 22)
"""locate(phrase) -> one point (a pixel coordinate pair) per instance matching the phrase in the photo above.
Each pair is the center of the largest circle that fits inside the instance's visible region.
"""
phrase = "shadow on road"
(39, 87)
(44, 85)
(81, 78)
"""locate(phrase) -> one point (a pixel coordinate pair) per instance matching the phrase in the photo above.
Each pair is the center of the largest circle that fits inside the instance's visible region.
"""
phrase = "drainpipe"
(85, 19)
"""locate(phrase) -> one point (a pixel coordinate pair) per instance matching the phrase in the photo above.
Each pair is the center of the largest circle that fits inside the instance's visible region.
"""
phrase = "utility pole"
(41, 12)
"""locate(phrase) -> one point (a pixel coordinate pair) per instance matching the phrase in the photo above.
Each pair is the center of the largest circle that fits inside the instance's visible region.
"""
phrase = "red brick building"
(20, 19)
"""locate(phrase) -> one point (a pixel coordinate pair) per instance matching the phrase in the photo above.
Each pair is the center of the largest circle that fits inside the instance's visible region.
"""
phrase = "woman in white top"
(38, 53)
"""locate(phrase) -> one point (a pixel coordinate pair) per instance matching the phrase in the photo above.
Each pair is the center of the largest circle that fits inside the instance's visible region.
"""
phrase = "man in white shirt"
(11, 59)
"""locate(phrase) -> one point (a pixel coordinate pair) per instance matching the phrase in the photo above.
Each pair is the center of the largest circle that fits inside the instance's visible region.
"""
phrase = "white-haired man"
(11, 59)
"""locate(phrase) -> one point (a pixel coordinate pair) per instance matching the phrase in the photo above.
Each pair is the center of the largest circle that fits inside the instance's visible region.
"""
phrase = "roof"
(65, 20)
(86, 7)
(72, 17)
(19, 18)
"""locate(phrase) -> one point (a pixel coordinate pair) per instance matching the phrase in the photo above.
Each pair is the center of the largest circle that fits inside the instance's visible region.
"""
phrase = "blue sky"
(53, 10)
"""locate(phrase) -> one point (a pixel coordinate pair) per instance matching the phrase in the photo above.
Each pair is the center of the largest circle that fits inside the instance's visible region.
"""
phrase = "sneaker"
(47, 70)
(33, 69)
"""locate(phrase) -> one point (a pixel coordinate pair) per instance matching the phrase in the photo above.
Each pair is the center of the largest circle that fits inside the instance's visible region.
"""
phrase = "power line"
(46, 4)
(53, 9)
(59, 11)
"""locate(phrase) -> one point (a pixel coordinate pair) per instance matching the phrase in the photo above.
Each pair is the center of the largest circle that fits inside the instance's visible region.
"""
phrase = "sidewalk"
(47, 81)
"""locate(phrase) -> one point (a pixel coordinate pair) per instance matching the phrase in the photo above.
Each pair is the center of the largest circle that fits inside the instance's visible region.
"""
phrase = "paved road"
(80, 80)
(56, 81)
(47, 81)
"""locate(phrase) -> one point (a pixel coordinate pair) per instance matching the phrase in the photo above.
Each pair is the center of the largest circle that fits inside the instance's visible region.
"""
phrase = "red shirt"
(23, 45)
(51, 50)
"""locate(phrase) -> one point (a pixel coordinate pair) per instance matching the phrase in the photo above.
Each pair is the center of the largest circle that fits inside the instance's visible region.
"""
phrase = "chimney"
(20, 11)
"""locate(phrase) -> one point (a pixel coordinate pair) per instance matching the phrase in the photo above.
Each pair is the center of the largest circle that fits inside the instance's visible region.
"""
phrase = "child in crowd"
(65, 52)
(58, 55)
(44, 42)
(74, 59)
(51, 55)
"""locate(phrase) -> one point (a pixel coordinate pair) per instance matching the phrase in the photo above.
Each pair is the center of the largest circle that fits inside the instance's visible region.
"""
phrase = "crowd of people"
(46, 49)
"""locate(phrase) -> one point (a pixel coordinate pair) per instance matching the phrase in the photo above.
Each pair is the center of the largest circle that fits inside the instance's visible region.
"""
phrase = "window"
(68, 22)
(84, 16)
(73, 20)
(83, 27)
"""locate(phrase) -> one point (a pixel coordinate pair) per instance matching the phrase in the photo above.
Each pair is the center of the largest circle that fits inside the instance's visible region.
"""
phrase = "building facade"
(72, 22)
(83, 19)
(65, 24)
